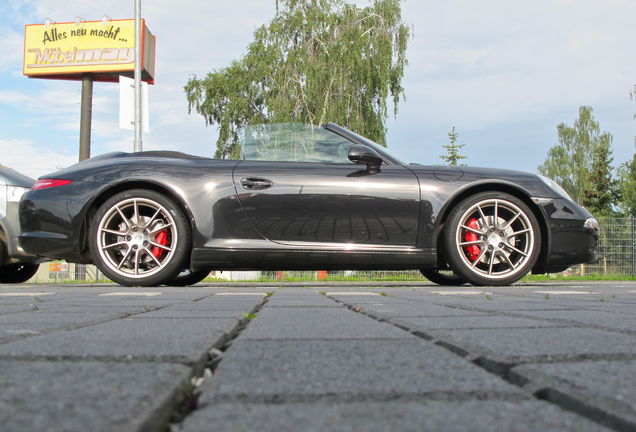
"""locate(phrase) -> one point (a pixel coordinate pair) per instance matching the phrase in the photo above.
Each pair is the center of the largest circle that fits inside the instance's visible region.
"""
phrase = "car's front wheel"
(140, 238)
(492, 238)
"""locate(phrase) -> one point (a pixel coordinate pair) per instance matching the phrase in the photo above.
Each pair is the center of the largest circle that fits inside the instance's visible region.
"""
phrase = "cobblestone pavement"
(336, 357)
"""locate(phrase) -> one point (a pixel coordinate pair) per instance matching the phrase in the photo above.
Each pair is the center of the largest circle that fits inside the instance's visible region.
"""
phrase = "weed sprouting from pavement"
(188, 388)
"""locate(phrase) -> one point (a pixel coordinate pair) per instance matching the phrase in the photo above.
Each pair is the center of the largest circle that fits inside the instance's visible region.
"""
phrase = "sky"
(503, 73)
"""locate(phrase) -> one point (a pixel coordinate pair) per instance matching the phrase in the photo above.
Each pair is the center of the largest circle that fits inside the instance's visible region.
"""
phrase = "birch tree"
(315, 61)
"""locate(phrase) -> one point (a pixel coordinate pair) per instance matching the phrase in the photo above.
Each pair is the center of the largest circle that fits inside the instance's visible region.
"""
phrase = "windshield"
(294, 142)
(298, 142)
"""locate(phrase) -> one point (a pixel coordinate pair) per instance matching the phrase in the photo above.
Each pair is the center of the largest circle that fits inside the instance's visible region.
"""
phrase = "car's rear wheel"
(492, 238)
(140, 238)
(17, 273)
(442, 277)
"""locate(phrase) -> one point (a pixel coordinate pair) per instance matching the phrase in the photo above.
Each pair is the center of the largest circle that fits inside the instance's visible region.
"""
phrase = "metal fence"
(616, 247)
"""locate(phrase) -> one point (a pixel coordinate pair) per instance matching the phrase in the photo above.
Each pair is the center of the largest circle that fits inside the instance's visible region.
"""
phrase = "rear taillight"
(49, 183)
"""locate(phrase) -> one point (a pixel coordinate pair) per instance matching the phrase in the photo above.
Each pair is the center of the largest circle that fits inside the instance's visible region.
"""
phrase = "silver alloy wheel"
(495, 239)
(136, 237)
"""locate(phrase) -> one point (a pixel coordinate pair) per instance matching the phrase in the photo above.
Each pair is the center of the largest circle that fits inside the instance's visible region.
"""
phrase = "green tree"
(316, 61)
(452, 156)
(570, 162)
(602, 193)
(627, 186)
(627, 179)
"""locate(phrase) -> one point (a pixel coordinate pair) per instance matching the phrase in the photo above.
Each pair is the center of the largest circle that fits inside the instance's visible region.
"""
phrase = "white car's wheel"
(17, 273)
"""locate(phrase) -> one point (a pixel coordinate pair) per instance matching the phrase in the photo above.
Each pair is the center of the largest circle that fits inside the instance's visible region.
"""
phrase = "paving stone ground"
(549, 357)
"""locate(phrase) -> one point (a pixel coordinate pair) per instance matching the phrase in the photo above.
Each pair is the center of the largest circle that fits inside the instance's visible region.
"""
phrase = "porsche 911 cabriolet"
(302, 197)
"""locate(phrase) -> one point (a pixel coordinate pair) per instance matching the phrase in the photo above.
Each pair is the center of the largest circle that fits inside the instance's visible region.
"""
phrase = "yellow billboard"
(104, 48)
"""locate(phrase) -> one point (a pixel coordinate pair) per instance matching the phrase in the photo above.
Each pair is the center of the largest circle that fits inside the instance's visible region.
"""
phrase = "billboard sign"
(104, 48)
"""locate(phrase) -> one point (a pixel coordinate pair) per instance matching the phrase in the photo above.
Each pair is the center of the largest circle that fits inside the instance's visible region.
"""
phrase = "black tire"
(442, 277)
(187, 277)
(140, 238)
(492, 238)
(17, 273)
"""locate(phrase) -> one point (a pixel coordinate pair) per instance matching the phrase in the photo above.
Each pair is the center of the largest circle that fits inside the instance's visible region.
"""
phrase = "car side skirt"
(298, 259)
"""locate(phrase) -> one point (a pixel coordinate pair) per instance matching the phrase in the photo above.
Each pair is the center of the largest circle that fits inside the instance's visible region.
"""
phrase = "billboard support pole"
(137, 76)
(85, 116)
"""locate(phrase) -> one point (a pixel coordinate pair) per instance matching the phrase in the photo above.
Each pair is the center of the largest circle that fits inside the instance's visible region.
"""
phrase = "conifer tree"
(602, 191)
(452, 156)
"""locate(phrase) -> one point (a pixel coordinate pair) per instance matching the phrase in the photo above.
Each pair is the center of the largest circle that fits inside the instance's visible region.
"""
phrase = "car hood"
(14, 178)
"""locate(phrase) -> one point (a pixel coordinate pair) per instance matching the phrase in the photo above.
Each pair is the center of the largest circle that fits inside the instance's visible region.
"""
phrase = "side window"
(284, 142)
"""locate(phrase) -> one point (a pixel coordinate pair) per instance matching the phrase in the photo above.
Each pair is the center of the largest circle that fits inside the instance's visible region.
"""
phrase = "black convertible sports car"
(302, 197)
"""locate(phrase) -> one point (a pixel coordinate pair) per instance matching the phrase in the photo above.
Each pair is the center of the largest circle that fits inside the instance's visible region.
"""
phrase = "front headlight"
(555, 187)
(593, 224)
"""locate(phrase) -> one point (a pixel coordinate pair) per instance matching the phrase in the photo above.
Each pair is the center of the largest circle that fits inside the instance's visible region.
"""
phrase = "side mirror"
(361, 154)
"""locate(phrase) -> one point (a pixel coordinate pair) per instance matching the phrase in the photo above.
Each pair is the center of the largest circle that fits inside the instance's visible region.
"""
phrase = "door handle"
(256, 183)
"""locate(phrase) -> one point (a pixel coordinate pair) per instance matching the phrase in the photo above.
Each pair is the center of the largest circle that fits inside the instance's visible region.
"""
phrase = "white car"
(16, 266)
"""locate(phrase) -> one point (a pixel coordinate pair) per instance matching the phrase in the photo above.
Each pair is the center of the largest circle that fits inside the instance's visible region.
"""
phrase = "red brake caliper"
(473, 250)
(162, 239)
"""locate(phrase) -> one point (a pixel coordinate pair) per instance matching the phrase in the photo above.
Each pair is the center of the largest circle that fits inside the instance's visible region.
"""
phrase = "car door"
(340, 205)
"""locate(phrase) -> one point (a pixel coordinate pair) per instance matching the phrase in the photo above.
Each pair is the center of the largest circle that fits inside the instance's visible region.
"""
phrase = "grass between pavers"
(589, 277)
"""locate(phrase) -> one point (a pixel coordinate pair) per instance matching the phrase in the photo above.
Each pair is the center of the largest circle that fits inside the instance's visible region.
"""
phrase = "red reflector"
(49, 183)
